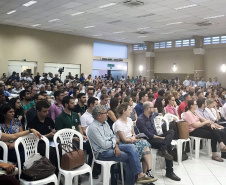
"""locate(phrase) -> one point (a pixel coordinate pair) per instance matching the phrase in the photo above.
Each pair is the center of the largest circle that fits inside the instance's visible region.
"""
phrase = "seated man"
(106, 147)
(45, 125)
(145, 124)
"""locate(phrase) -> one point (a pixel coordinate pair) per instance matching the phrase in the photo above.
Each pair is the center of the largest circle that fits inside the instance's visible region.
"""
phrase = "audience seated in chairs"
(124, 131)
(145, 124)
(200, 127)
(106, 147)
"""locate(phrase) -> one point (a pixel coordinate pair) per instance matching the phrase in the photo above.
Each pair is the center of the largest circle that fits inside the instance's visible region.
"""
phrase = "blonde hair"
(209, 101)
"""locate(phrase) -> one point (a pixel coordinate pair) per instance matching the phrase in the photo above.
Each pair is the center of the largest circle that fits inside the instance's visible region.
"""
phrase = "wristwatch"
(30, 130)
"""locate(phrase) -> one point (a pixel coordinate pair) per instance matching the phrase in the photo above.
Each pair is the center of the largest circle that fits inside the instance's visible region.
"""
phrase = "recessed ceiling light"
(89, 26)
(185, 7)
(174, 23)
(143, 28)
(214, 17)
(78, 13)
(35, 25)
(107, 5)
(12, 11)
(54, 20)
(29, 3)
(118, 32)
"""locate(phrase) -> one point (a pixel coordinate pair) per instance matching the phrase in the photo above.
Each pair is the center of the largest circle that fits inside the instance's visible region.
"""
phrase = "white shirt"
(212, 113)
(223, 111)
(209, 84)
(86, 119)
(124, 127)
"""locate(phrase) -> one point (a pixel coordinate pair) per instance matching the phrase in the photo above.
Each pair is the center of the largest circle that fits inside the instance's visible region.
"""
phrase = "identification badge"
(73, 127)
(76, 120)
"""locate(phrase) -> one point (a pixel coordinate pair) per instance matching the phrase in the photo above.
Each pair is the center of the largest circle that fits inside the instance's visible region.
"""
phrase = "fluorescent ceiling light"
(167, 33)
(78, 13)
(107, 5)
(185, 7)
(97, 35)
(29, 3)
(143, 28)
(54, 20)
(35, 25)
(174, 23)
(89, 26)
(142, 36)
(12, 11)
(214, 17)
(118, 32)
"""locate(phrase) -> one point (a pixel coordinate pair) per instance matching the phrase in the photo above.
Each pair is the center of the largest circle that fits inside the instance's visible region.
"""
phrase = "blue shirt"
(202, 84)
(146, 125)
(101, 137)
(6, 93)
(139, 108)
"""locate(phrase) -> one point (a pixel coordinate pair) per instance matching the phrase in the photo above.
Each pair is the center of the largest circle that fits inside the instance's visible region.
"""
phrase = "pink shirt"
(171, 110)
(191, 118)
(55, 110)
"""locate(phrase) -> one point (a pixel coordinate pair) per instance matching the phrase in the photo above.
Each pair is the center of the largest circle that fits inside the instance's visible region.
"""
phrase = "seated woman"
(222, 97)
(212, 110)
(19, 111)
(10, 125)
(133, 115)
(123, 128)
(160, 105)
(112, 115)
(216, 99)
(170, 108)
(200, 127)
(176, 96)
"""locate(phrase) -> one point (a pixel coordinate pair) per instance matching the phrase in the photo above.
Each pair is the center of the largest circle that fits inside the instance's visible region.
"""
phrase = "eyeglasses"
(103, 112)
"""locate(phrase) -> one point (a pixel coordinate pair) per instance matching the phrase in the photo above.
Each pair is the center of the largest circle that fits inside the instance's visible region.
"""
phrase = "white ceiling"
(164, 10)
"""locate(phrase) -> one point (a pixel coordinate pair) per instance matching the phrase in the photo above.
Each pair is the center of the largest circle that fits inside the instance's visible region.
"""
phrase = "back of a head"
(122, 107)
(113, 103)
(209, 101)
(161, 92)
(12, 102)
(127, 99)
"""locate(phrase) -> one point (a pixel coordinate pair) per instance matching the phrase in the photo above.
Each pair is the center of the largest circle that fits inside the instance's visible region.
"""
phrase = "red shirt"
(156, 95)
(181, 108)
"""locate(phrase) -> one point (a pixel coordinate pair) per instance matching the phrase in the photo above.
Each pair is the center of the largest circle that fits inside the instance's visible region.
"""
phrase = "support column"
(150, 60)
(199, 52)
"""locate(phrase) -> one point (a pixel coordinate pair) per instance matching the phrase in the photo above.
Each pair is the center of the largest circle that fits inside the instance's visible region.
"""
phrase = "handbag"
(183, 129)
(40, 169)
(72, 158)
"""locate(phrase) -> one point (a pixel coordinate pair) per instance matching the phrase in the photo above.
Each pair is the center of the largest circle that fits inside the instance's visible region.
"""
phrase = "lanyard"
(195, 115)
(9, 129)
(173, 110)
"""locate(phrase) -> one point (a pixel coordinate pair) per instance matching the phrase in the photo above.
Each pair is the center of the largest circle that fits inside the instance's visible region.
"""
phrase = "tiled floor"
(202, 171)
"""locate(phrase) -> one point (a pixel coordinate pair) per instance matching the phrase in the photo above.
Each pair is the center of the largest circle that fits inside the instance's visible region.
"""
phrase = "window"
(207, 40)
(106, 49)
(216, 40)
(192, 42)
(139, 47)
(178, 43)
(223, 39)
(169, 44)
(162, 45)
(156, 45)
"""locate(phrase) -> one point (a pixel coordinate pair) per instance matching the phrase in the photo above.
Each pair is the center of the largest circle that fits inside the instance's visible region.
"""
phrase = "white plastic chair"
(66, 136)
(179, 142)
(5, 152)
(197, 141)
(30, 143)
(105, 166)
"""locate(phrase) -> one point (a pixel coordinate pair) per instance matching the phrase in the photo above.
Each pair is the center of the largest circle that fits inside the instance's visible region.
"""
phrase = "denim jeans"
(129, 157)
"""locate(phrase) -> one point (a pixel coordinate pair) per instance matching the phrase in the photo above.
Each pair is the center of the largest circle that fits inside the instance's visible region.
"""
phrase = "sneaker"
(149, 174)
(145, 180)
(165, 154)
